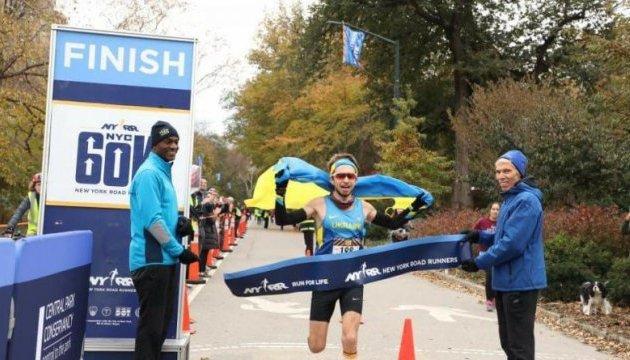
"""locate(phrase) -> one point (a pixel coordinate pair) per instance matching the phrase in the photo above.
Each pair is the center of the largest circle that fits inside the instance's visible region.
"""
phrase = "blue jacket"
(153, 205)
(516, 249)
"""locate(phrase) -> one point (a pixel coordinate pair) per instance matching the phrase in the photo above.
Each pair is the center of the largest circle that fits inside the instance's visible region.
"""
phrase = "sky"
(225, 29)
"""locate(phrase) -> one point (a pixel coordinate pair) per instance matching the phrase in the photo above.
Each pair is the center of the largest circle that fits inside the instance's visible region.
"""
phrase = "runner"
(343, 221)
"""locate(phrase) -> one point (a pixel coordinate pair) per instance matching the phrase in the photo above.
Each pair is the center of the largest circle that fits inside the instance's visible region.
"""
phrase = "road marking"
(444, 314)
(196, 289)
(287, 307)
(477, 353)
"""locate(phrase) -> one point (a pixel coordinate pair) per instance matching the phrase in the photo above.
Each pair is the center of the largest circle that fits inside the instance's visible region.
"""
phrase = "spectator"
(625, 227)
(265, 217)
(488, 224)
(400, 234)
(210, 210)
(516, 256)
(30, 203)
(155, 249)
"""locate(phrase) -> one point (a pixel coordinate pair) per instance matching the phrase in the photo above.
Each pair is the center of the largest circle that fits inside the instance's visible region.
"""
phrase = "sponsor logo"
(137, 312)
(364, 273)
(93, 310)
(106, 311)
(122, 311)
(112, 280)
(264, 287)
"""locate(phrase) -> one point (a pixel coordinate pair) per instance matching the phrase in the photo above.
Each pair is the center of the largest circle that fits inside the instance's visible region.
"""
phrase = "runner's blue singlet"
(344, 230)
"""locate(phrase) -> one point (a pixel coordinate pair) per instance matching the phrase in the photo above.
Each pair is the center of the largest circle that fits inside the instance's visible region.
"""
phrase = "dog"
(593, 297)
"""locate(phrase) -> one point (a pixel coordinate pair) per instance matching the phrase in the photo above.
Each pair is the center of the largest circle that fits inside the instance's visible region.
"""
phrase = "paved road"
(446, 324)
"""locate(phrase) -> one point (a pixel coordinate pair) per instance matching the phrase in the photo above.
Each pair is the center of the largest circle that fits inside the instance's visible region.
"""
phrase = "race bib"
(341, 246)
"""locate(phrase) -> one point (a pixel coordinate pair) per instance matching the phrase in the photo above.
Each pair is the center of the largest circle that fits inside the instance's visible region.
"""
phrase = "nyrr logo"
(111, 156)
(112, 280)
(363, 273)
(265, 287)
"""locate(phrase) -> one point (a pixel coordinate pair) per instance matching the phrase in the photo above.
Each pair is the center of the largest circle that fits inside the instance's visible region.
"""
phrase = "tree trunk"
(461, 185)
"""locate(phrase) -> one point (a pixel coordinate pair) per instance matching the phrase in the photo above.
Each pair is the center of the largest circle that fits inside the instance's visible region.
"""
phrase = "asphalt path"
(446, 324)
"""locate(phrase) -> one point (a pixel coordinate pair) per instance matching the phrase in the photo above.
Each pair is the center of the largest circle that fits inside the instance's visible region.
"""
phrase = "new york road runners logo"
(364, 273)
(113, 279)
(264, 287)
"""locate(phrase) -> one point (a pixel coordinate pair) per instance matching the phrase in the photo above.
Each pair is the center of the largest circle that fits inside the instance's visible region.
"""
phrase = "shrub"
(447, 221)
(566, 270)
(619, 286)
(598, 224)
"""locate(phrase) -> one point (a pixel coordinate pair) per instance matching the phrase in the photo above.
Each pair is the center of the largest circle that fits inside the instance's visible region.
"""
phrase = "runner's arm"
(380, 219)
(422, 201)
(284, 217)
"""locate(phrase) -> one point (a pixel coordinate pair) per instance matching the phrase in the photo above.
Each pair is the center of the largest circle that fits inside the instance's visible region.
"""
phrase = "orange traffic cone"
(193, 268)
(407, 349)
(186, 317)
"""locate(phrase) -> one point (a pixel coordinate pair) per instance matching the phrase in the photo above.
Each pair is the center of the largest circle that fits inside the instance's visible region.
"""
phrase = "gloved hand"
(418, 202)
(184, 227)
(282, 180)
(469, 266)
(472, 236)
(188, 257)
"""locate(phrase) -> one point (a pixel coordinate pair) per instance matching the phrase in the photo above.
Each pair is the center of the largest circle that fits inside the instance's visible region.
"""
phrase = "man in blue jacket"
(515, 255)
(155, 248)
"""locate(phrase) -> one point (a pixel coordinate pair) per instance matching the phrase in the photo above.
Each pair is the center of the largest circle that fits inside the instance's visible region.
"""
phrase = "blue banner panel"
(7, 275)
(119, 355)
(113, 304)
(120, 59)
(50, 296)
(328, 272)
(121, 95)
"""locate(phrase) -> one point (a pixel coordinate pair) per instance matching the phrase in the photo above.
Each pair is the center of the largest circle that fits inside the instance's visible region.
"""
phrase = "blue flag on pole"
(352, 45)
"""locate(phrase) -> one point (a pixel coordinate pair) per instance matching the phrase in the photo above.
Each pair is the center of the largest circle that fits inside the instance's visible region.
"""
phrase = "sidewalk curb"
(562, 319)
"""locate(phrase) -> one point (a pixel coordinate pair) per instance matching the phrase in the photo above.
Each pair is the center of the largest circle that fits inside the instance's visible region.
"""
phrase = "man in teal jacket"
(155, 247)
(515, 255)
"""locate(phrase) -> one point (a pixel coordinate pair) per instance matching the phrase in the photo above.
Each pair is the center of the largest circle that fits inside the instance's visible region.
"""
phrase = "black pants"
(516, 312)
(490, 294)
(237, 221)
(155, 285)
(203, 258)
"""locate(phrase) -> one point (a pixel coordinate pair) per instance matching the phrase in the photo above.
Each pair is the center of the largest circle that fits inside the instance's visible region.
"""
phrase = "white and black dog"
(593, 296)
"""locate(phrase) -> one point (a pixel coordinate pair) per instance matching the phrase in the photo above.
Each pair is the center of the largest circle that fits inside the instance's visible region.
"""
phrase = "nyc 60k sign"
(96, 153)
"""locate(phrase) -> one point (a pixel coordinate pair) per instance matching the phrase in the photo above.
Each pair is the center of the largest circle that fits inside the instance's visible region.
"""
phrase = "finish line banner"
(329, 272)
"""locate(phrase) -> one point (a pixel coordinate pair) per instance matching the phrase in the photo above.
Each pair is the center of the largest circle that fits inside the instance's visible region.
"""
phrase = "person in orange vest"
(29, 204)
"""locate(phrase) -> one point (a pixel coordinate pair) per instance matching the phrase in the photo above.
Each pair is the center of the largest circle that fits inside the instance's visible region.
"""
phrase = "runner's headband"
(341, 162)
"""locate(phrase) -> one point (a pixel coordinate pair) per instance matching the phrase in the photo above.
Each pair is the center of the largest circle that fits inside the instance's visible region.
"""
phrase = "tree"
(24, 35)
(574, 157)
(448, 46)
(405, 157)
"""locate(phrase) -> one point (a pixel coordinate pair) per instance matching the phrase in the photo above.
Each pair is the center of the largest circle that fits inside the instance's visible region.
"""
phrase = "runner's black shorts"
(323, 302)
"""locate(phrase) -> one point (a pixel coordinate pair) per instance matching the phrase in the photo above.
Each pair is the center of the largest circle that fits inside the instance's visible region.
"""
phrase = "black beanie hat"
(162, 130)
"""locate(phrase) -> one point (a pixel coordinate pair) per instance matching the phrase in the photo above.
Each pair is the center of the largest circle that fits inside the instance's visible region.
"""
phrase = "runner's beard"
(343, 201)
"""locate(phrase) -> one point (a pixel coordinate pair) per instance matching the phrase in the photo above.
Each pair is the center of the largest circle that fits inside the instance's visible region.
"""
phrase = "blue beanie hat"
(518, 159)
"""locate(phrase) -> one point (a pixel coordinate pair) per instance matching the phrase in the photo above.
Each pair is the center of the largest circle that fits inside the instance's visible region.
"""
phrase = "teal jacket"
(154, 215)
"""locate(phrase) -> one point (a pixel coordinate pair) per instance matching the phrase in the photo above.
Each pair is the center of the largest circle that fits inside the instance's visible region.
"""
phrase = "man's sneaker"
(490, 305)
